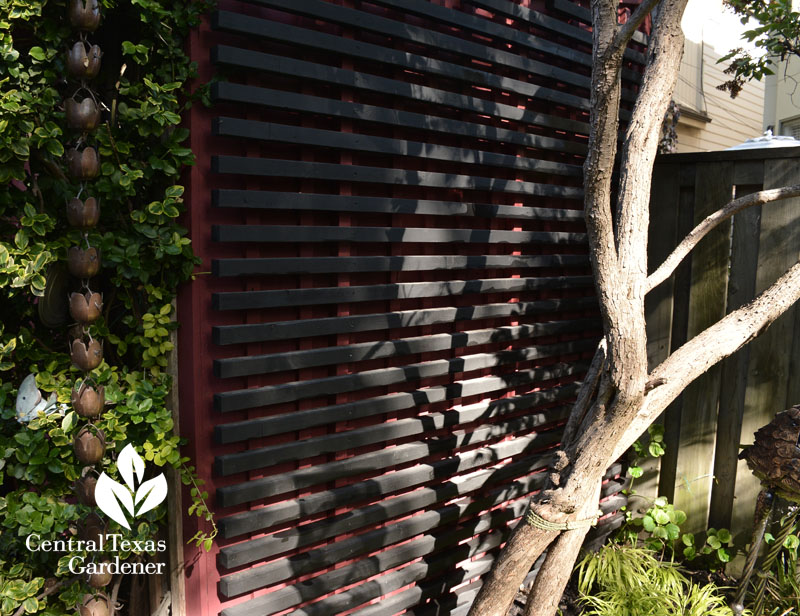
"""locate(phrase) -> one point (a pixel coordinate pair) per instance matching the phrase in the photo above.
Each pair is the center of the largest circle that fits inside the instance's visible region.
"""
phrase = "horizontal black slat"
(266, 200)
(243, 58)
(260, 427)
(431, 38)
(420, 546)
(229, 464)
(227, 92)
(438, 588)
(497, 31)
(264, 517)
(458, 601)
(365, 351)
(426, 425)
(241, 399)
(275, 167)
(394, 507)
(251, 300)
(395, 235)
(539, 19)
(390, 582)
(388, 559)
(375, 487)
(402, 428)
(282, 133)
(585, 15)
(425, 522)
(288, 330)
(303, 37)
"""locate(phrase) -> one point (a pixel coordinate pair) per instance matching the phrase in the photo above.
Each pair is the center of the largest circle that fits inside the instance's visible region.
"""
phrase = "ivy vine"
(144, 86)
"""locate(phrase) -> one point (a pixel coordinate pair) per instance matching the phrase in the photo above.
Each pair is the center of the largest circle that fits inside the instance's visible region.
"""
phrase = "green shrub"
(629, 581)
(144, 84)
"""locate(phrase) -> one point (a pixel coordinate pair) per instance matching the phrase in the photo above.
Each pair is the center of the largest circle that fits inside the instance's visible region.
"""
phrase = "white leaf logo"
(109, 494)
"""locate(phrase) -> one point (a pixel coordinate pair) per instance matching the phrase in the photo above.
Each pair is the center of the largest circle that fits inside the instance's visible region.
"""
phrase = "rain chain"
(83, 115)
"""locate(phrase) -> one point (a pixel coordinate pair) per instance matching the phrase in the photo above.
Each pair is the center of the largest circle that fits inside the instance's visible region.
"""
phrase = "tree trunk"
(619, 399)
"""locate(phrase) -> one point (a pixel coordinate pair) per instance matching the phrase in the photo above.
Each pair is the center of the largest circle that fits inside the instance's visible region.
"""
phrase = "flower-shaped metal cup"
(83, 61)
(83, 116)
(94, 605)
(85, 307)
(83, 164)
(83, 262)
(83, 214)
(84, 489)
(88, 401)
(101, 576)
(84, 14)
(92, 527)
(86, 356)
(89, 445)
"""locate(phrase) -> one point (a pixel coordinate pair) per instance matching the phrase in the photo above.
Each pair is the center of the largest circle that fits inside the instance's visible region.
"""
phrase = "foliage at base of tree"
(628, 581)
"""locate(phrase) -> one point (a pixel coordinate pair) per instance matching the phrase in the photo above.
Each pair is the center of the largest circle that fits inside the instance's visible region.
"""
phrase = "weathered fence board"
(733, 382)
(707, 425)
(770, 353)
(706, 306)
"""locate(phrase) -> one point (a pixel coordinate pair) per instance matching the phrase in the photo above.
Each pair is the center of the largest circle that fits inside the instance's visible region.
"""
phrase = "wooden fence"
(398, 305)
(717, 414)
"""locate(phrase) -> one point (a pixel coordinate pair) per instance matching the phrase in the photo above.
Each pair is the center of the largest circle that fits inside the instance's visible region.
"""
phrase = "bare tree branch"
(714, 344)
(627, 29)
(586, 392)
(688, 243)
(548, 587)
(641, 141)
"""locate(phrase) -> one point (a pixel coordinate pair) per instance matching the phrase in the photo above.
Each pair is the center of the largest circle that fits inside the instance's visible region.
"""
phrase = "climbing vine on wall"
(142, 87)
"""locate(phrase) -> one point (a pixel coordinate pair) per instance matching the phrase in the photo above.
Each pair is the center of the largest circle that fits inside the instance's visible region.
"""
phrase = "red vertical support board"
(399, 303)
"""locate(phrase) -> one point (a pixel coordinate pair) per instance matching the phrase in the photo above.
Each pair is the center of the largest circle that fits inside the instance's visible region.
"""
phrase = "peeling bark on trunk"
(619, 399)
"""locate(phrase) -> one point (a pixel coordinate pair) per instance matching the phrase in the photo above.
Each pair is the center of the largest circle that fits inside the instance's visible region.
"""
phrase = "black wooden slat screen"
(401, 304)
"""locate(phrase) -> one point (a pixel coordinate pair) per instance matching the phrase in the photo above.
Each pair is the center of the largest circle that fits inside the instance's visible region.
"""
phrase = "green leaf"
(20, 147)
(656, 432)
(791, 542)
(655, 449)
(55, 147)
(673, 531)
(724, 535)
(660, 532)
(648, 523)
(688, 539)
(635, 471)
(661, 516)
(68, 421)
(174, 192)
(31, 605)
(37, 53)
(21, 239)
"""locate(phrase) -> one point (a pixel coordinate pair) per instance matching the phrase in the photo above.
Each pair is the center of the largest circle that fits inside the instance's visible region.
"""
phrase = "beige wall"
(732, 121)
(783, 100)
(711, 119)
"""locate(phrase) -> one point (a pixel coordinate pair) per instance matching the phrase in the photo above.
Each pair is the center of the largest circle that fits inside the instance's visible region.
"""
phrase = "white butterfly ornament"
(30, 401)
